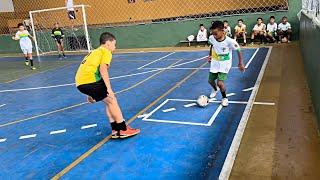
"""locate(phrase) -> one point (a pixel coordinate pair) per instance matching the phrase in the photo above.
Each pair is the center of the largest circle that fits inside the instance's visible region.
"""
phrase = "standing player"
(92, 79)
(24, 38)
(58, 36)
(221, 59)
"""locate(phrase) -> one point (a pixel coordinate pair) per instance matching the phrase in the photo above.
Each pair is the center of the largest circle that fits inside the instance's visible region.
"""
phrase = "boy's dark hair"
(20, 24)
(106, 36)
(272, 17)
(201, 25)
(240, 20)
(225, 21)
(284, 17)
(217, 25)
(260, 19)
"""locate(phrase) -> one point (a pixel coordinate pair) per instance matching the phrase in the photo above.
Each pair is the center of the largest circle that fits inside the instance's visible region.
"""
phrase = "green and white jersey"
(24, 40)
(222, 54)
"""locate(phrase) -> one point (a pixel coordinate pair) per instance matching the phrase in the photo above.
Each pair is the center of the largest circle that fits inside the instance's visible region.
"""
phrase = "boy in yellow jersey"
(240, 31)
(221, 59)
(92, 79)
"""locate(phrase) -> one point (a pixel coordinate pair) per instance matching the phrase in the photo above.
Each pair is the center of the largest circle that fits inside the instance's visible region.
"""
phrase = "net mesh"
(124, 12)
(73, 29)
(312, 7)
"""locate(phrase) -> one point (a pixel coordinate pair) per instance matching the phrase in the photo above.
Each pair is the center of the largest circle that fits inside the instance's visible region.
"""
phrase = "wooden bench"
(194, 42)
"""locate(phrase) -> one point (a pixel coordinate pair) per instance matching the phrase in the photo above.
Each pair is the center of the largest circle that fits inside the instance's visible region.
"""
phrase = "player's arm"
(16, 37)
(62, 34)
(240, 57)
(105, 76)
(235, 46)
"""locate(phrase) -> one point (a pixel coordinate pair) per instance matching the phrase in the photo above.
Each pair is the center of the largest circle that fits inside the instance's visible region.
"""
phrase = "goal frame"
(84, 16)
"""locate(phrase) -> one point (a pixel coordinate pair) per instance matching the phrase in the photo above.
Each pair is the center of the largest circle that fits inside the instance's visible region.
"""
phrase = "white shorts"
(27, 50)
(220, 66)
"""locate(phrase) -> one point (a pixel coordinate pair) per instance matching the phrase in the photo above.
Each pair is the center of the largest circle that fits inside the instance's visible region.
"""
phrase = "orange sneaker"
(125, 134)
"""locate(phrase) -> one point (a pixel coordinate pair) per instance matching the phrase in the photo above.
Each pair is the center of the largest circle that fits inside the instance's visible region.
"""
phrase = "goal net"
(73, 24)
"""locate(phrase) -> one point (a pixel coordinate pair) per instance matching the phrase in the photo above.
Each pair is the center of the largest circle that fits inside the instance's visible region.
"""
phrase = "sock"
(31, 62)
(63, 54)
(27, 60)
(215, 87)
(113, 125)
(224, 94)
(121, 126)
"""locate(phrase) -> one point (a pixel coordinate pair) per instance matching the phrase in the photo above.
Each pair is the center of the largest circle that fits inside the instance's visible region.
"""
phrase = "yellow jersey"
(89, 71)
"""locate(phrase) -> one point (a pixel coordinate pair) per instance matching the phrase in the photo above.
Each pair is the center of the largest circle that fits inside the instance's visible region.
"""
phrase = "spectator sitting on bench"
(240, 31)
(258, 31)
(202, 34)
(227, 28)
(284, 30)
(271, 30)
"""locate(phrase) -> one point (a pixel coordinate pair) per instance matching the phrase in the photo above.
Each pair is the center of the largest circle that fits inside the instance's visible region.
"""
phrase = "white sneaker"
(224, 102)
(213, 94)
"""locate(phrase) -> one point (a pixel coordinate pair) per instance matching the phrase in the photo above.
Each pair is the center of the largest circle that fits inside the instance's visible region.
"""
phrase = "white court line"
(175, 122)
(169, 110)
(233, 150)
(28, 136)
(2, 105)
(248, 89)
(252, 57)
(156, 109)
(3, 140)
(89, 126)
(244, 102)
(190, 105)
(230, 94)
(214, 115)
(58, 131)
(199, 59)
(72, 84)
(178, 68)
(156, 60)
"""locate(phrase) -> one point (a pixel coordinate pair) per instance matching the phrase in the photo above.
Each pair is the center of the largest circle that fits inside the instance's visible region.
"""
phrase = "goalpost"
(76, 36)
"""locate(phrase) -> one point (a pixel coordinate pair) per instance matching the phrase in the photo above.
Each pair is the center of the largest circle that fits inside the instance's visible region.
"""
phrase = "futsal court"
(49, 130)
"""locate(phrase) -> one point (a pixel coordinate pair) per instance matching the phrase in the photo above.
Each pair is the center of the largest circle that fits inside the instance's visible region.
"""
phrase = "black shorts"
(58, 39)
(71, 15)
(98, 90)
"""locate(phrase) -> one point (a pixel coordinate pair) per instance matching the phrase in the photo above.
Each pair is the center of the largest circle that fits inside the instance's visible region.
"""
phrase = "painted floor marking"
(58, 131)
(89, 126)
(28, 136)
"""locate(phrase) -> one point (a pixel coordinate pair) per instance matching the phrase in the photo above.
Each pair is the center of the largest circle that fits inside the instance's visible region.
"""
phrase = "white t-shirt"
(228, 31)
(260, 27)
(221, 57)
(284, 27)
(70, 5)
(202, 35)
(24, 40)
(272, 27)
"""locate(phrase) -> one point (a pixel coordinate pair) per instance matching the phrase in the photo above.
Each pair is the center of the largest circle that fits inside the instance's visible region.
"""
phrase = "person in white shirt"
(227, 28)
(202, 34)
(284, 30)
(70, 8)
(272, 28)
(25, 44)
(240, 31)
(259, 30)
(220, 58)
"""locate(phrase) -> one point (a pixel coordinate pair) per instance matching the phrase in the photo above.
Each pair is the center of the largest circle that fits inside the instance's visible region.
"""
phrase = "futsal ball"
(190, 38)
(284, 40)
(202, 101)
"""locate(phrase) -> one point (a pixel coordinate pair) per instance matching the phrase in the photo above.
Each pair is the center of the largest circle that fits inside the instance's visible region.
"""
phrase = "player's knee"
(220, 84)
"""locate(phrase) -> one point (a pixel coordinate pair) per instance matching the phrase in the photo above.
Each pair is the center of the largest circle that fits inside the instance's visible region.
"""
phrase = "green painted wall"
(170, 33)
(310, 38)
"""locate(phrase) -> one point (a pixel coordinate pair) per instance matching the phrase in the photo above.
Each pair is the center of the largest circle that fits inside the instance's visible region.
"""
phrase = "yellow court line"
(80, 104)
(97, 146)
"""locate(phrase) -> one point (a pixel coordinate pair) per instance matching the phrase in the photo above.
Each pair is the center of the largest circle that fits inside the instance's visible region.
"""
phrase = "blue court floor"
(48, 130)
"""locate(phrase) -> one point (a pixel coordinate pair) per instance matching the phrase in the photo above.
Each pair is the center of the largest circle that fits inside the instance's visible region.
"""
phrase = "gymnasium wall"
(170, 33)
(310, 38)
